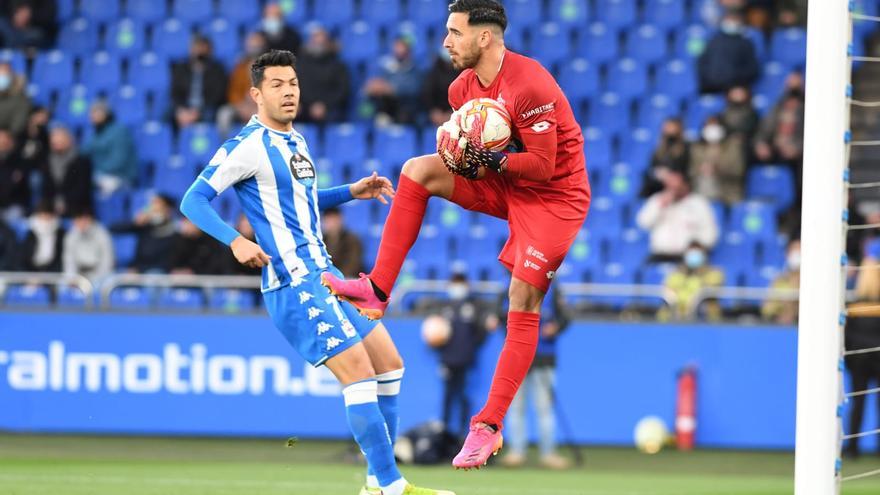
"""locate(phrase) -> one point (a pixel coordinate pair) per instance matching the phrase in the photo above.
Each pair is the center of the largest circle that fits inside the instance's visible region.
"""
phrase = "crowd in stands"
(67, 150)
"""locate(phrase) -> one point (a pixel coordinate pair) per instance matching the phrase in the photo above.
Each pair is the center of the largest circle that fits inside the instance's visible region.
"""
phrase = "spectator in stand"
(711, 11)
(35, 141)
(44, 241)
(156, 233)
(782, 311)
(9, 249)
(672, 152)
(729, 58)
(195, 253)
(540, 387)
(88, 248)
(15, 191)
(279, 35)
(198, 85)
(677, 218)
(240, 105)
(67, 175)
(27, 24)
(780, 137)
(111, 151)
(692, 274)
(15, 106)
(324, 79)
(718, 166)
(739, 116)
(394, 92)
(435, 88)
(343, 245)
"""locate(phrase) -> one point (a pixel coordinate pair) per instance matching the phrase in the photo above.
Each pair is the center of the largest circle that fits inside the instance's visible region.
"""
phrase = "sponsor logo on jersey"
(301, 167)
(535, 111)
(532, 265)
(324, 327)
(304, 296)
(314, 312)
(333, 343)
(348, 329)
(531, 251)
(541, 126)
(551, 274)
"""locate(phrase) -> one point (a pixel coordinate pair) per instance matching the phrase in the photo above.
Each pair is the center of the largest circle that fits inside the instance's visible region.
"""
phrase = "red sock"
(513, 365)
(401, 230)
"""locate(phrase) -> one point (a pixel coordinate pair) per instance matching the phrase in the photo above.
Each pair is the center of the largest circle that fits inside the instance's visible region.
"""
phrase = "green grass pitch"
(64, 465)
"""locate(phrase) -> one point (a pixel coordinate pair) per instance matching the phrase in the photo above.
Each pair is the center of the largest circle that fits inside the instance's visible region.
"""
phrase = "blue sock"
(368, 427)
(388, 389)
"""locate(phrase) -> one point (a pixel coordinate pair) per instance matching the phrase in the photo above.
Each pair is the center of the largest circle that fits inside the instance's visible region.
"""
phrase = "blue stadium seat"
(126, 38)
(73, 105)
(346, 143)
(655, 110)
(676, 78)
(734, 250)
(757, 38)
(515, 39)
(130, 298)
(719, 211)
(598, 43)
(198, 143)
(154, 141)
(111, 209)
(428, 12)
(551, 44)
(79, 37)
(611, 112)
(789, 46)
(124, 247)
(53, 70)
(622, 183)
(36, 296)
(193, 11)
(772, 80)
(619, 14)
(394, 144)
(101, 72)
(150, 72)
(628, 77)
(605, 220)
(335, 13)
(762, 276)
(360, 42)
(647, 44)
(147, 11)
(772, 184)
(418, 37)
(381, 12)
(312, 135)
(666, 14)
(71, 297)
(225, 40)
(754, 219)
(232, 300)
(171, 39)
(575, 13)
(615, 273)
(229, 208)
(174, 176)
(244, 13)
(631, 248)
(15, 59)
(698, 111)
(691, 41)
(524, 12)
(772, 252)
(585, 254)
(656, 273)
(66, 10)
(637, 147)
(579, 80)
(130, 105)
(181, 298)
(598, 148)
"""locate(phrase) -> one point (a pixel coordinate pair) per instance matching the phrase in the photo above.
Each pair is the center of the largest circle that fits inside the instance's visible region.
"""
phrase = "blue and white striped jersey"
(275, 179)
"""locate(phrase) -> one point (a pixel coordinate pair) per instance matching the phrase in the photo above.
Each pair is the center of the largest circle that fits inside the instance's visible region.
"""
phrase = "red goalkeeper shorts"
(544, 219)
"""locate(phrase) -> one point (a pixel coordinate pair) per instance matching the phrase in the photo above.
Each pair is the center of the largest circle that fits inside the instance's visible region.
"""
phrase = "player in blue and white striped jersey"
(269, 166)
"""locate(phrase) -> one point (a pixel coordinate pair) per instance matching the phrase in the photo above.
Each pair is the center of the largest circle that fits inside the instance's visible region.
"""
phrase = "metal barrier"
(54, 279)
(207, 282)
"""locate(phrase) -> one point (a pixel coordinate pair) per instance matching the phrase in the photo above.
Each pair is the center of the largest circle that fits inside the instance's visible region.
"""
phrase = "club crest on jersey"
(301, 167)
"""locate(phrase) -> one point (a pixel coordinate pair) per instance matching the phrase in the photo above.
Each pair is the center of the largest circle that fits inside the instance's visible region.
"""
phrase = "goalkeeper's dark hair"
(481, 12)
(272, 58)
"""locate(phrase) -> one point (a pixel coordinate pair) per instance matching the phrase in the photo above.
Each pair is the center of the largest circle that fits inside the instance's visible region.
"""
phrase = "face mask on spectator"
(272, 25)
(5, 82)
(713, 133)
(694, 258)
(731, 27)
(794, 260)
(457, 292)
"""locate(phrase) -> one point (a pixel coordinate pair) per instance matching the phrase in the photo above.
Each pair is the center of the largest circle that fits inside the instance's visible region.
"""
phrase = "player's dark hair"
(481, 12)
(273, 58)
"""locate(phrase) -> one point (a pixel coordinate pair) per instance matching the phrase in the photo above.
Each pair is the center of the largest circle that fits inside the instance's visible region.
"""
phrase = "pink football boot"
(480, 444)
(358, 292)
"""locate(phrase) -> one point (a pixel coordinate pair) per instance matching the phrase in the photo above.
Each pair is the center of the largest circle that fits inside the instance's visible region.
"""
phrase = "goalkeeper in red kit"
(541, 190)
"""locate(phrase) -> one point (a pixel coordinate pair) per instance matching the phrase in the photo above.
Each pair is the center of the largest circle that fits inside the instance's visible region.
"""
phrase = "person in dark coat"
(324, 79)
(9, 249)
(44, 242)
(67, 175)
(279, 34)
(15, 172)
(729, 58)
(343, 245)
(198, 85)
(435, 88)
(195, 253)
(156, 233)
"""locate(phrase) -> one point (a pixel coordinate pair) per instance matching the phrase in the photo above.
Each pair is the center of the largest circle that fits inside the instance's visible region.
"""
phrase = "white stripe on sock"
(395, 488)
(360, 393)
(389, 383)
(372, 481)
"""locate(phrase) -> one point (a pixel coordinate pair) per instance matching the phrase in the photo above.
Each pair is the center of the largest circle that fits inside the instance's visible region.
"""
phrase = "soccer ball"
(436, 331)
(650, 434)
(496, 121)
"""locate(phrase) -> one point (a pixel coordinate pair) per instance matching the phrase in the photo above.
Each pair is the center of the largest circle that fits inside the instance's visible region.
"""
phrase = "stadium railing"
(52, 279)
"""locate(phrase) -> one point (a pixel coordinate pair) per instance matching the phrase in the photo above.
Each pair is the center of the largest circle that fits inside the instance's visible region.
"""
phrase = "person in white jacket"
(88, 248)
(677, 217)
